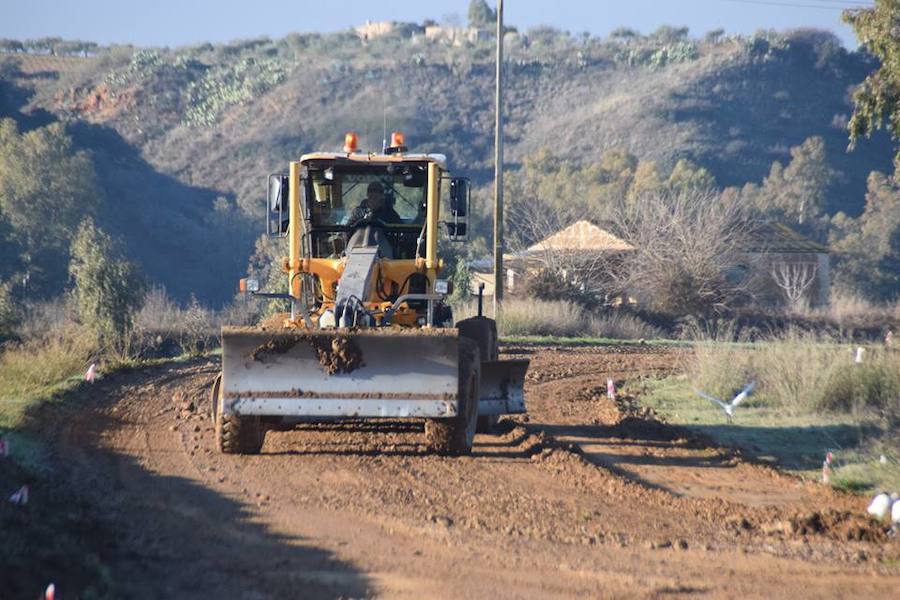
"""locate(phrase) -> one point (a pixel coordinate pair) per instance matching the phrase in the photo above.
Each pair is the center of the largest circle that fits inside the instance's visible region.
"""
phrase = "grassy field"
(794, 441)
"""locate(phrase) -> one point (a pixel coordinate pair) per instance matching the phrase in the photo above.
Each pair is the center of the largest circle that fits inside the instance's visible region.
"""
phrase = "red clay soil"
(581, 498)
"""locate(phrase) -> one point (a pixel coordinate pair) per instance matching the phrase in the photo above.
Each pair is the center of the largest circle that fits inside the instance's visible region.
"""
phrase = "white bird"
(730, 406)
(859, 354)
(880, 506)
(21, 496)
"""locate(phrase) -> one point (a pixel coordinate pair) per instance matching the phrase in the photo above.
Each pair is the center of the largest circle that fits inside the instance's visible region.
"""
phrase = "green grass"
(793, 440)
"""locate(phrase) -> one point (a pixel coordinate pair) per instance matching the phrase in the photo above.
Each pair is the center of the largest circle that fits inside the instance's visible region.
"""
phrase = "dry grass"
(622, 326)
(800, 372)
(849, 309)
(35, 367)
(193, 328)
(561, 318)
(532, 317)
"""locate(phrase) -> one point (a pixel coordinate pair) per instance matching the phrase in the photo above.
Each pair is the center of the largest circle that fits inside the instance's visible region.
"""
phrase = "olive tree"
(108, 290)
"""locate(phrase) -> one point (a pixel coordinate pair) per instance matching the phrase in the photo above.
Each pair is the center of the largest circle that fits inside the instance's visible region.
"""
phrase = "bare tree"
(688, 245)
(794, 279)
(582, 272)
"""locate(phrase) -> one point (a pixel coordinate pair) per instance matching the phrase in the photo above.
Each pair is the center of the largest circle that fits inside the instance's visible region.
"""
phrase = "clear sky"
(181, 22)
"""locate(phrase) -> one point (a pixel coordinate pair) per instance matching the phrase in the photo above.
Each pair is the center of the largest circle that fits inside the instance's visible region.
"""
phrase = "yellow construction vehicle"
(369, 334)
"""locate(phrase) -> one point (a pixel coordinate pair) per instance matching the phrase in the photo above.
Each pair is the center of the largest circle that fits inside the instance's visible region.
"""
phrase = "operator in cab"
(375, 207)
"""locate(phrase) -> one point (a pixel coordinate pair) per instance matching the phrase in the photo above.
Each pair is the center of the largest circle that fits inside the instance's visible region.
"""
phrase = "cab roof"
(373, 157)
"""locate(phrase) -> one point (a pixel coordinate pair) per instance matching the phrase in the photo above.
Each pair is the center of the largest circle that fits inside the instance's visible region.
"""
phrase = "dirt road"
(583, 498)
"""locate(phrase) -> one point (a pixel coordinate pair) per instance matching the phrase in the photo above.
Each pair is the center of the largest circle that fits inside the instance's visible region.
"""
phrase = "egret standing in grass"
(729, 407)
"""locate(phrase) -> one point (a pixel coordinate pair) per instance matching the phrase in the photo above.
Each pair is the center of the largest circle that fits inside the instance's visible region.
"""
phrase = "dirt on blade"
(581, 498)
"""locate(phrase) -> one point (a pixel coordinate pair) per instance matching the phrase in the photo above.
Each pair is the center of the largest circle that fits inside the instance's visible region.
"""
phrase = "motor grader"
(370, 334)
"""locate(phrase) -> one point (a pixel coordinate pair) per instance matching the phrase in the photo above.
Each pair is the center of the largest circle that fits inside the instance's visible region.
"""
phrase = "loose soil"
(583, 497)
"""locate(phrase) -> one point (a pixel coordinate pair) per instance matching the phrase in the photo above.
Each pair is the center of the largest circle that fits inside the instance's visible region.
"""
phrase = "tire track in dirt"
(363, 510)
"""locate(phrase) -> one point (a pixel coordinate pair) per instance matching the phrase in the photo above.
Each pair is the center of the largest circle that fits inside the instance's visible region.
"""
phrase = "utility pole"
(498, 168)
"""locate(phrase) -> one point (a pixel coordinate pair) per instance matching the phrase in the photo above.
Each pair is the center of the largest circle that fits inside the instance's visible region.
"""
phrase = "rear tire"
(483, 331)
(455, 436)
(235, 434)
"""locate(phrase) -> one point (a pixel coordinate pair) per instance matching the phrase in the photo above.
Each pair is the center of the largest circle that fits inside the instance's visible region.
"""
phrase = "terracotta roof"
(779, 238)
(582, 235)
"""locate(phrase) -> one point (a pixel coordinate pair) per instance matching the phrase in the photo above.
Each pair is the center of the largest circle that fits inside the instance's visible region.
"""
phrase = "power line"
(864, 3)
(844, 6)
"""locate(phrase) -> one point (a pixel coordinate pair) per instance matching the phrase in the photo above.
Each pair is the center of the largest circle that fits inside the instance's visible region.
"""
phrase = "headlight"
(249, 285)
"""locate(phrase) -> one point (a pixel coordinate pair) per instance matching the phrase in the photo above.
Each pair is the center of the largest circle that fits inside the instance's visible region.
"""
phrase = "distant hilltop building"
(369, 30)
(454, 36)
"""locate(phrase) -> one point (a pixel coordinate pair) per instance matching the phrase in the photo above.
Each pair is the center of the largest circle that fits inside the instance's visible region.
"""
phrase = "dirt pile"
(336, 354)
(836, 524)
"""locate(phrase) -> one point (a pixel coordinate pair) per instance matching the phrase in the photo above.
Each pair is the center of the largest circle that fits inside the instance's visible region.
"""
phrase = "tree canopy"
(481, 15)
(877, 99)
(46, 188)
(108, 288)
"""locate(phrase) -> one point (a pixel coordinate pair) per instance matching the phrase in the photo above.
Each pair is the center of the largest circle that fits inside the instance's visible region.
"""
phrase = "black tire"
(454, 436)
(234, 434)
(483, 331)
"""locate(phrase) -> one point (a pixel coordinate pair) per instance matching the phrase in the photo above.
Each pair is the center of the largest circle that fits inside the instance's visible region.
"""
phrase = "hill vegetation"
(179, 140)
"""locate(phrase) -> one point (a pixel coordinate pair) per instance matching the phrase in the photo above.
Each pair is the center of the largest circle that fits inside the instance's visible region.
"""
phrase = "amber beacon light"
(351, 142)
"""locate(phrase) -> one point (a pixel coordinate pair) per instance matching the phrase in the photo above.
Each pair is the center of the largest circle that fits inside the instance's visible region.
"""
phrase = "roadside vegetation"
(811, 397)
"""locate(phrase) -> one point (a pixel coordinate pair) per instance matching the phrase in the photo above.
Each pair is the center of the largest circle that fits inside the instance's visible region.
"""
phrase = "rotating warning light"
(351, 142)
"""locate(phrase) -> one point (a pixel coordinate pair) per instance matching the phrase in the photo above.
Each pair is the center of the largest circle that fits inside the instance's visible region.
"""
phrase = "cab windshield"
(341, 195)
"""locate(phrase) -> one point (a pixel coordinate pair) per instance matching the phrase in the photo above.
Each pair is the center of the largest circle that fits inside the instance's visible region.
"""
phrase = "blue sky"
(180, 22)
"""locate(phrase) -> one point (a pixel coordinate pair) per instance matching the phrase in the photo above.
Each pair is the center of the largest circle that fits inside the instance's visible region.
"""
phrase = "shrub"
(620, 325)
(108, 290)
(549, 284)
(541, 317)
(162, 326)
(8, 311)
(855, 387)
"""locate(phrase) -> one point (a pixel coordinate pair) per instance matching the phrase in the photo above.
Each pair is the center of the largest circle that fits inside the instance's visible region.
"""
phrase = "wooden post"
(498, 168)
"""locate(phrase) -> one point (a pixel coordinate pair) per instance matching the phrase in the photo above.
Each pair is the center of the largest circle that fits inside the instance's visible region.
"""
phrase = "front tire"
(235, 434)
(456, 435)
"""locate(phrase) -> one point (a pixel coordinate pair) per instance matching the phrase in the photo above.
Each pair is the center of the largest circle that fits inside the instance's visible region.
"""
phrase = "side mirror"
(459, 197)
(277, 205)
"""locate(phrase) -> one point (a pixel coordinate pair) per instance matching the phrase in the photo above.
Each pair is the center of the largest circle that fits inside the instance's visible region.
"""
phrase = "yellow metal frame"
(329, 270)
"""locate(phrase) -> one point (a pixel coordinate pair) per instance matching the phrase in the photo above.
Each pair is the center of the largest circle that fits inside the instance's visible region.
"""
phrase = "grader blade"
(502, 387)
(340, 373)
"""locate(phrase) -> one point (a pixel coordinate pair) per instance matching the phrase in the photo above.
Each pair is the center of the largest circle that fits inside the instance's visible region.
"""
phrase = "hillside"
(172, 130)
